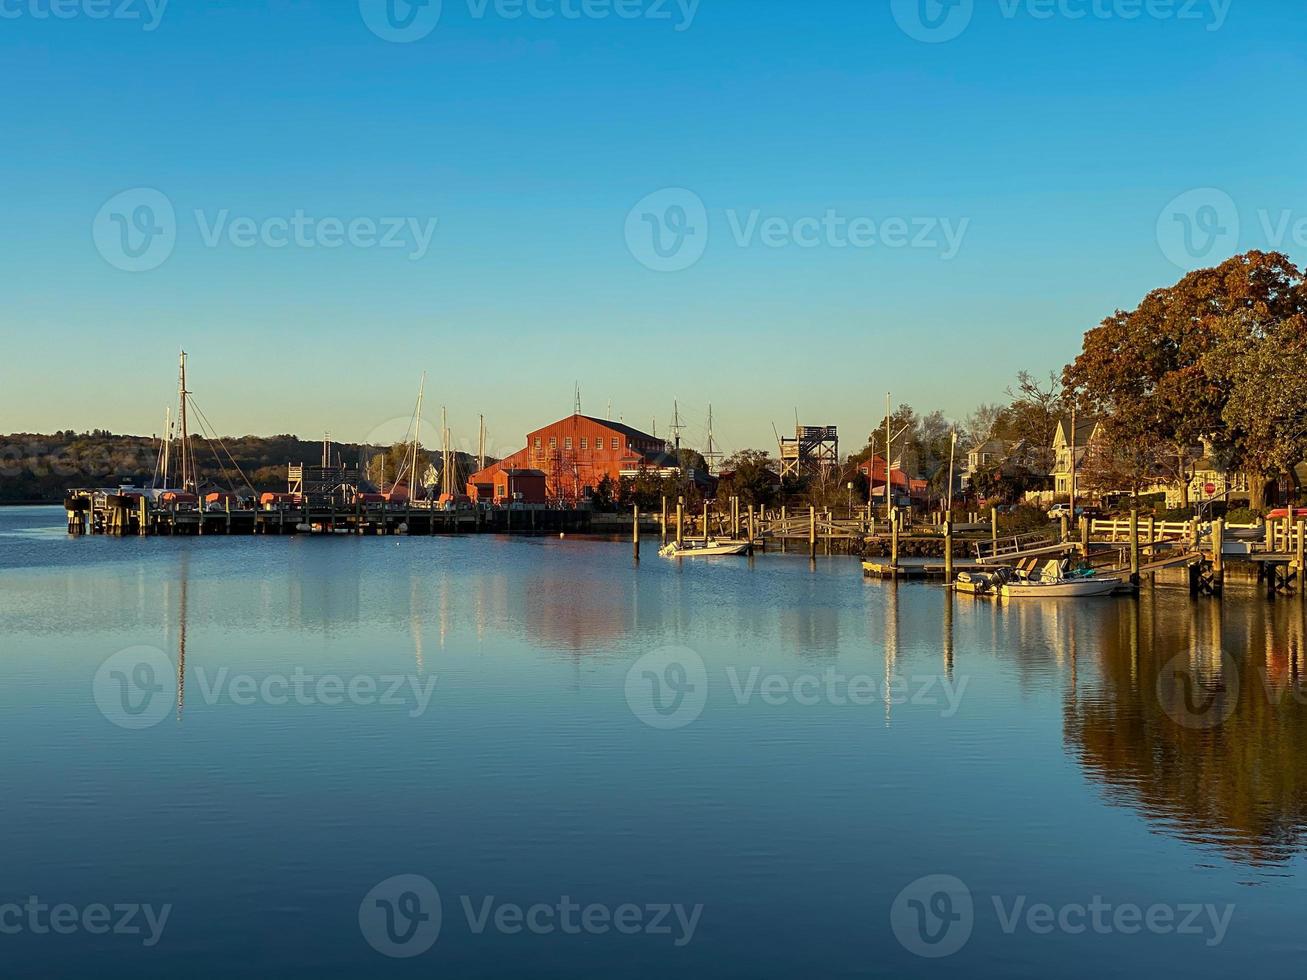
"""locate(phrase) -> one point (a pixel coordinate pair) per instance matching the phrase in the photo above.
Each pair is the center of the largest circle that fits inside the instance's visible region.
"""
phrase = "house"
(984, 458)
(514, 486)
(904, 490)
(1067, 448)
(1209, 481)
(574, 455)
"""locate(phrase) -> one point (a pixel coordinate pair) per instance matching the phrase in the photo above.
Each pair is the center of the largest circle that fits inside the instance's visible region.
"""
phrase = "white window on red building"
(617, 443)
(585, 443)
(567, 442)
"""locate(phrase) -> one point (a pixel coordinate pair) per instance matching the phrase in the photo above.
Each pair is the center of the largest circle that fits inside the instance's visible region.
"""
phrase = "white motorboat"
(1056, 580)
(708, 549)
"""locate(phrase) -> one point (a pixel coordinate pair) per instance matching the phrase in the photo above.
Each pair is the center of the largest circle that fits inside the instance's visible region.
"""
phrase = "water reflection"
(1197, 716)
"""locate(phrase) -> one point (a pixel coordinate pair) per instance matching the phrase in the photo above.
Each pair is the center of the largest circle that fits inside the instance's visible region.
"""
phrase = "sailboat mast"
(188, 475)
(417, 429)
(481, 445)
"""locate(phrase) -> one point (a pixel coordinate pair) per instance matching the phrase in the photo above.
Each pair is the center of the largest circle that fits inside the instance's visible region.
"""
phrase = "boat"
(708, 549)
(1057, 580)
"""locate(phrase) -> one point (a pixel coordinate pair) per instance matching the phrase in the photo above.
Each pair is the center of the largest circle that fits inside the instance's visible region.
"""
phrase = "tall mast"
(481, 445)
(188, 474)
(1073, 460)
(888, 499)
(711, 455)
(417, 429)
(444, 451)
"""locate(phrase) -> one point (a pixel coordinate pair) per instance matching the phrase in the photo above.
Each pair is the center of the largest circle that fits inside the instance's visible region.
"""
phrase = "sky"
(767, 207)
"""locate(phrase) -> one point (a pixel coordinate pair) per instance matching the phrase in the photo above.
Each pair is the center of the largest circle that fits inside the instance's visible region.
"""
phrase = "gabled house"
(983, 458)
(1068, 446)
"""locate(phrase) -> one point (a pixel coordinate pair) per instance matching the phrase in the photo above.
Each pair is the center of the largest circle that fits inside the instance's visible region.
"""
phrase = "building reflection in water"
(1196, 715)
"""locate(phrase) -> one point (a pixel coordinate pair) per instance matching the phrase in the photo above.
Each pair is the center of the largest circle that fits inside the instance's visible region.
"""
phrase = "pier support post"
(680, 521)
(1218, 554)
(1084, 537)
(894, 539)
(662, 525)
(993, 528)
(635, 532)
(705, 522)
(948, 549)
(812, 532)
(1134, 546)
(751, 535)
(1066, 527)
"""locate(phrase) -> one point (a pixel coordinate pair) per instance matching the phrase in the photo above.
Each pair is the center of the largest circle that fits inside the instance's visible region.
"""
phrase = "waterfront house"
(1070, 449)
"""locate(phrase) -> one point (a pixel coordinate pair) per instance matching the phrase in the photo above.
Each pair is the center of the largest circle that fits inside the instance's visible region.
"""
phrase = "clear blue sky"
(1058, 140)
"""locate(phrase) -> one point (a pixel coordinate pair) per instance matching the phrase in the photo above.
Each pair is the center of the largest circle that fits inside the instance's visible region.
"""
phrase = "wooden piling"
(948, 549)
(1084, 537)
(812, 532)
(635, 531)
(662, 525)
(1134, 546)
(1218, 550)
(894, 539)
(705, 522)
(993, 528)
(680, 521)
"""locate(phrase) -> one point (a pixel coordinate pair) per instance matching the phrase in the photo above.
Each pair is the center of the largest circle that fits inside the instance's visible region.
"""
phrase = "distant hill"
(37, 468)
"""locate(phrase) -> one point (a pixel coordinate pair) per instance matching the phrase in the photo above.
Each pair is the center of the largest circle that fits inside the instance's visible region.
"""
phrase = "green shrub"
(1241, 515)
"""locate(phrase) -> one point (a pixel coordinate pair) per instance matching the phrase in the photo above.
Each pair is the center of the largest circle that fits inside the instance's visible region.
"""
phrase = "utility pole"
(889, 505)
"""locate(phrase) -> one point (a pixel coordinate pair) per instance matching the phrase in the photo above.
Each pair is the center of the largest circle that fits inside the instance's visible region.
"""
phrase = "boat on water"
(709, 549)
(1055, 579)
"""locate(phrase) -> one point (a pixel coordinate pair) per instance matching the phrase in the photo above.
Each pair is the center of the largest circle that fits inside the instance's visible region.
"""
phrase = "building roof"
(521, 472)
(1085, 426)
(621, 427)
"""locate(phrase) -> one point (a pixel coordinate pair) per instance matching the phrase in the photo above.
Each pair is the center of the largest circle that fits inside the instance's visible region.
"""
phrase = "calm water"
(748, 766)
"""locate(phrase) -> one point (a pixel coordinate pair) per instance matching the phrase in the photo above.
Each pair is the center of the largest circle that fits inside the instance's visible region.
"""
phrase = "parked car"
(1281, 513)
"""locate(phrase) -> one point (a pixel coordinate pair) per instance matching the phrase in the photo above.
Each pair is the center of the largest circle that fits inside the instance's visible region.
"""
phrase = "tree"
(1264, 408)
(1154, 373)
(750, 475)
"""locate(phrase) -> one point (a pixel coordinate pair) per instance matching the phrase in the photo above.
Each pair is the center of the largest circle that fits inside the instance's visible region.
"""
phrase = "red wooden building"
(904, 489)
(573, 455)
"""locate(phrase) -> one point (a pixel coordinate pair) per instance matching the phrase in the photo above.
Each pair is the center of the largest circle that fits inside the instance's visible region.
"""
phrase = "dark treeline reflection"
(1197, 716)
